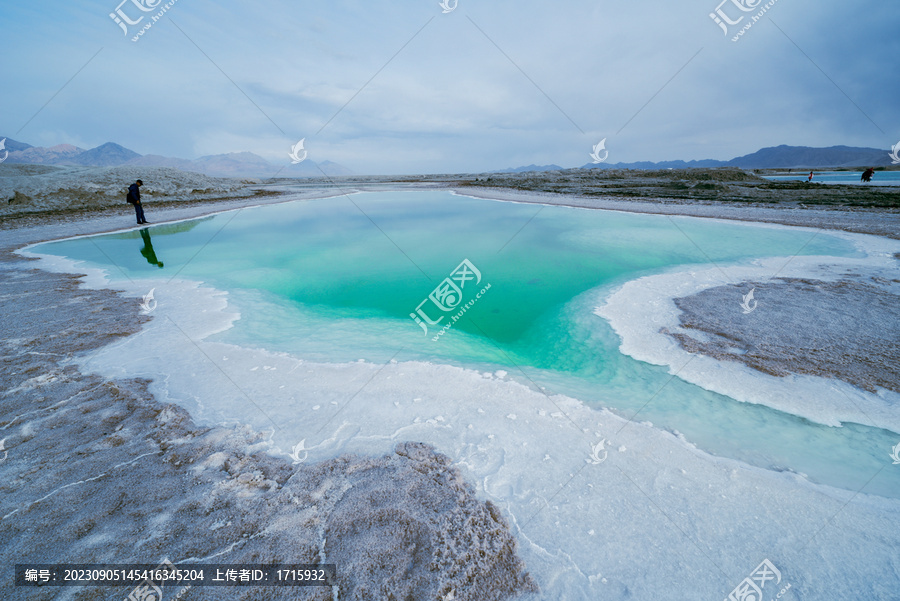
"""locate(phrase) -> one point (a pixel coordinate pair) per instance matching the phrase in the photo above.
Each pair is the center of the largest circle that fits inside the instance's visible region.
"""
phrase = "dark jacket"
(134, 193)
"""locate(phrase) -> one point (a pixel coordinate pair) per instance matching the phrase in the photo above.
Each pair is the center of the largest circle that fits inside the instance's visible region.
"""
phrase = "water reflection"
(147, 250)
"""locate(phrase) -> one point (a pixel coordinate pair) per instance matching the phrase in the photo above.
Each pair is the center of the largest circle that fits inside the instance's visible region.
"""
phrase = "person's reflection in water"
(147, 251)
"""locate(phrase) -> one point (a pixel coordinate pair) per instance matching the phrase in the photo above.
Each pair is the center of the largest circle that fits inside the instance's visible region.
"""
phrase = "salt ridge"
(639, 309)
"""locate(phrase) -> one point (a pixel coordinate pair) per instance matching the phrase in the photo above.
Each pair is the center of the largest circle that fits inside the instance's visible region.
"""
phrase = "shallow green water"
(329, 257)
(337, 279)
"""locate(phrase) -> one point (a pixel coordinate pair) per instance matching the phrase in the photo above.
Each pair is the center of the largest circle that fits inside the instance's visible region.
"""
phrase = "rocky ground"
(847, 329)
(27, 190)
(723, 185)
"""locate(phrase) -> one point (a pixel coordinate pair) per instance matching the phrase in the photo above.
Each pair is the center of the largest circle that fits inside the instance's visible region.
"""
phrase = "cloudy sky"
(402, 87)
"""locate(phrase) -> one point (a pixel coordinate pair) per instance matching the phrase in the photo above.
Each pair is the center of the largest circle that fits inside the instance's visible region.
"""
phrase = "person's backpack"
(129, 197)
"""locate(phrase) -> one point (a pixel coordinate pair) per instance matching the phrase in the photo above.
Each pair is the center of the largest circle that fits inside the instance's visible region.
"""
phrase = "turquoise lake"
(338, 279)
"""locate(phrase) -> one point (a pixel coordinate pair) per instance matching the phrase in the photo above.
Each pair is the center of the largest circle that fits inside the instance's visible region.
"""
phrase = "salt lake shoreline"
(38, 230)
(884, 223)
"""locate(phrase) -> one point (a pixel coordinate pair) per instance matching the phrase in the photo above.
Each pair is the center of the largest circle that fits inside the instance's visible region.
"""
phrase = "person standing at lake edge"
(810, 176)
(134, 197)
(867, 175)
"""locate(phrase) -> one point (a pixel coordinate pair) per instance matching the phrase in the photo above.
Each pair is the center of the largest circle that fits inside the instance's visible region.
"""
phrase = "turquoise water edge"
(341, 279)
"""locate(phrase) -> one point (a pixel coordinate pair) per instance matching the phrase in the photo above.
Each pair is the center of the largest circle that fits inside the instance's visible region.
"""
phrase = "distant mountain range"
(234, 164)
(247, 164)
(776, 157)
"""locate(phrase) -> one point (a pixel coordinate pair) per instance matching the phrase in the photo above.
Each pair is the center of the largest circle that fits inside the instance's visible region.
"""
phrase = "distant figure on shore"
(867, 175)
(147, 251)
(134, 197)
(810, 176)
